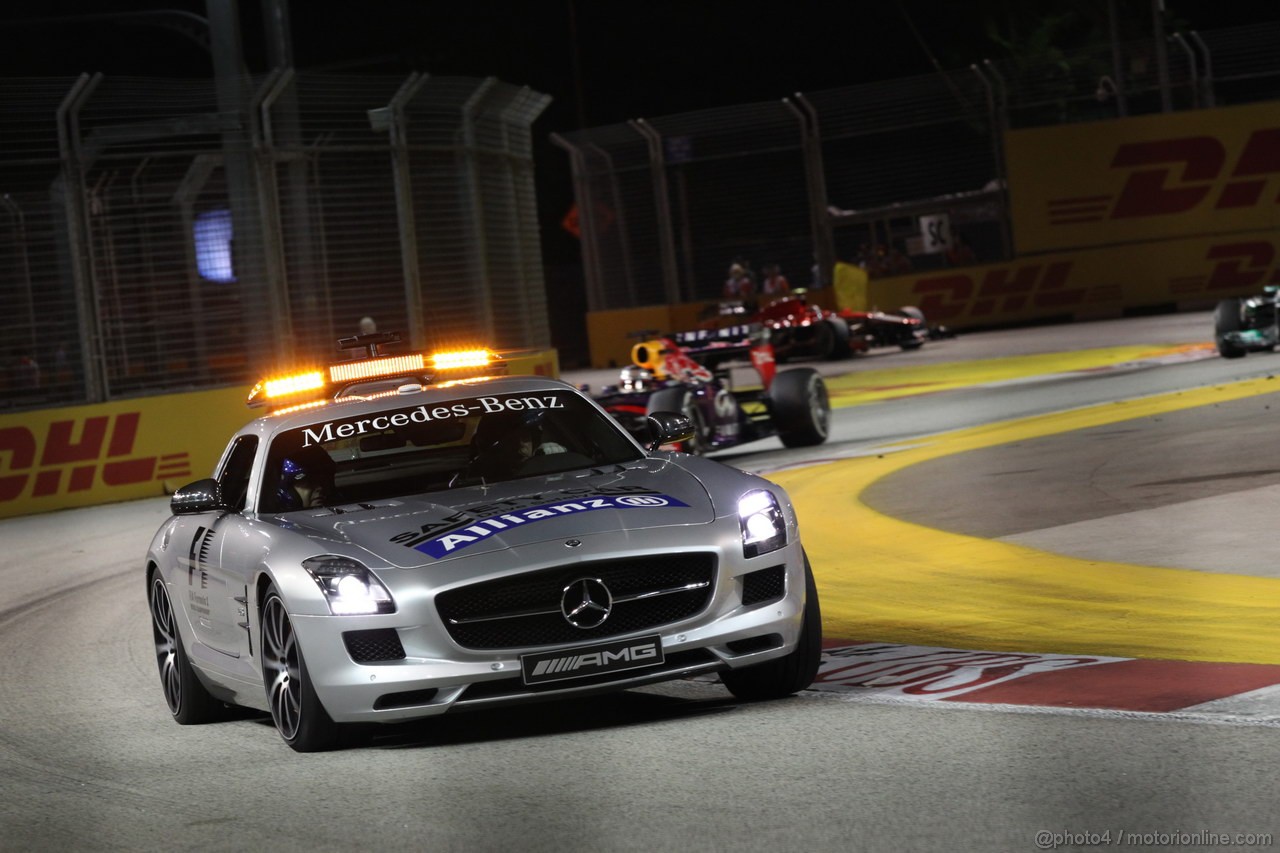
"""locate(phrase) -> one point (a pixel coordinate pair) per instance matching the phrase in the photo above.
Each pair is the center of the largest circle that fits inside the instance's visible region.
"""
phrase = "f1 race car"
(800, 330)
(685, 373)
(391, 540)
(1251, 324)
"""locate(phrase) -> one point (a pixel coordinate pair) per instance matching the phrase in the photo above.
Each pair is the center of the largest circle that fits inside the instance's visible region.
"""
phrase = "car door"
(215, 593)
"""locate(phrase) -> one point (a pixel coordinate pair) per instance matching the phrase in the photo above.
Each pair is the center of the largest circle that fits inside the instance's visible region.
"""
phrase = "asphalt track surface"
(989, 523)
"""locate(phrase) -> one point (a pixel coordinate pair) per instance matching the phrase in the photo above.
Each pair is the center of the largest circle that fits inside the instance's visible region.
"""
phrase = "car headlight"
(763, 527)
(349, 588)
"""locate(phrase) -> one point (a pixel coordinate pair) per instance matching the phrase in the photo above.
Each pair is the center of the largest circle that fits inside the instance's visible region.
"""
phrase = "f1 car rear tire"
(837, 341)
(188, 700)
(681, 400)
(301, 720)
(1226, 318)
(801, 408)
(792, 672)
(910, 341)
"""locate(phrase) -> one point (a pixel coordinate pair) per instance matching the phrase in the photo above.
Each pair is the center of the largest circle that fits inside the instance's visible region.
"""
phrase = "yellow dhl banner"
(94, 454)
(1090, 282)
(1145, 178)
(85, 455)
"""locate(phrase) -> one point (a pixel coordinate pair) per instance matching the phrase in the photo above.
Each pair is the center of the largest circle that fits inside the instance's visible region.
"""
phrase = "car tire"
(911, 341)
(1226, 318)
(800, 406)
(793, 672)
(296, 710)
(188, 699)
(681, 400)
(838, 346)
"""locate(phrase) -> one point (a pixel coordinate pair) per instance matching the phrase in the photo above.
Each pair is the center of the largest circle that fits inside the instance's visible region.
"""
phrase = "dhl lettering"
(1002, 289)
(1240, 266)
(1146, 192)
(60, 448)
(20, 444)
(1236, 267)
(1173, 176)
(1261, 156)
(85, 451)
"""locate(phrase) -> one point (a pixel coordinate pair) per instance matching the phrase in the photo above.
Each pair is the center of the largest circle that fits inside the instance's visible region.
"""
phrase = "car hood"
(423, 529)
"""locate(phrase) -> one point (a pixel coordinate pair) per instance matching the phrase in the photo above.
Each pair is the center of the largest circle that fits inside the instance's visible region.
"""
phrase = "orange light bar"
(461, 359)
(370, 367)
(285, 386)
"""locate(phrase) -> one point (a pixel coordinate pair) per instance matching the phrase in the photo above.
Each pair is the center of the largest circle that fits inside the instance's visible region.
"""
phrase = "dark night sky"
(636, 59)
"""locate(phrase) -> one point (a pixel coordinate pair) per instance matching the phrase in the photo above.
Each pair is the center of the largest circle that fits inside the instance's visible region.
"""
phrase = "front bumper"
(437, 675)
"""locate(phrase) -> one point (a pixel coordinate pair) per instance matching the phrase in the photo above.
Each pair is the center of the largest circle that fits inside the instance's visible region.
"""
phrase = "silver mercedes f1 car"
(390, 541)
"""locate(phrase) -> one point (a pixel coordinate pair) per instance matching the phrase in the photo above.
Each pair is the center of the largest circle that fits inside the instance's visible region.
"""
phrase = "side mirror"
(668, 428)
(195, 498)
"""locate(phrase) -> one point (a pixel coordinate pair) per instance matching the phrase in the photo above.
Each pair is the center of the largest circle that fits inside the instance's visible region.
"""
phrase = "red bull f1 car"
(686, 372)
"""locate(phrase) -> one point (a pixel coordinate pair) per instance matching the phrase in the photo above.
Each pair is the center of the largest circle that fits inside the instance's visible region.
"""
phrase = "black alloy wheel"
(297, 712)
(188, 700)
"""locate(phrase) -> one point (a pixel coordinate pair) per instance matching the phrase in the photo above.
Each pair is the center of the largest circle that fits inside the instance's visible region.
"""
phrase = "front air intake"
(764, 585)
(375, 646)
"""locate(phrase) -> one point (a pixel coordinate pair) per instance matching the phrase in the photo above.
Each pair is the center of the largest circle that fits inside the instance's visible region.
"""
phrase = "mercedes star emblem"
(586, 603)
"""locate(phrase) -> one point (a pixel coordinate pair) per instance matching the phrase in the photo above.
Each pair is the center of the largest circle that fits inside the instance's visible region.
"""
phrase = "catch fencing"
(898, 176)
(158, 235)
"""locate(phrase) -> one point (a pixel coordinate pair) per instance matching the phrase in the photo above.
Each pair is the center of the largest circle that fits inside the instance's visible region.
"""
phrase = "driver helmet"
(308, 475)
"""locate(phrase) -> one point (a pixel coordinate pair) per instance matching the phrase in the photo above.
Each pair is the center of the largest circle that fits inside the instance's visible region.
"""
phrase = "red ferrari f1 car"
(800, 330)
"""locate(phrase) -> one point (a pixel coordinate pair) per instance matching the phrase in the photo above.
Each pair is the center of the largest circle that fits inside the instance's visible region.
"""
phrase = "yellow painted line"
(866, 386)
(884, 579)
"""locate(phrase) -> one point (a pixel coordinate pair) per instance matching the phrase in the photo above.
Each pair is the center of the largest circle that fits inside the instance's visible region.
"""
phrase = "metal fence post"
(520, 113)
(1208, 69)
(1194, 82)
(824, 252)
(662, 205)
(80, 246)
(263, 310)
(405, 220)
(619, 207)
(586, 226)
(282, 147)
(999, 125)
(274, 270)
(478, 250)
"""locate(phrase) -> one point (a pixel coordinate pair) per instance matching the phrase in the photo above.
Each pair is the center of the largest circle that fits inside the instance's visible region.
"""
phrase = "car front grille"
(524, 610)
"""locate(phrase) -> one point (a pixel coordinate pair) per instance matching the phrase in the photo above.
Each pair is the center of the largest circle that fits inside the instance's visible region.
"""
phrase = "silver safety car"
(389, 541)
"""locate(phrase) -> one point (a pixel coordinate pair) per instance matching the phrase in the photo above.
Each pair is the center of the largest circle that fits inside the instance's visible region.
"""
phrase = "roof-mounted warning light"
(420, 368)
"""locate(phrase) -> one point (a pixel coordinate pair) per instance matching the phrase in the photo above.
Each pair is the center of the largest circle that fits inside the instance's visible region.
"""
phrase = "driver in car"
(306, 480)
(504, 442)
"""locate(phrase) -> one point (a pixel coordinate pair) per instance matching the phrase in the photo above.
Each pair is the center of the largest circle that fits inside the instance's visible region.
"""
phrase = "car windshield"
(437, 446)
